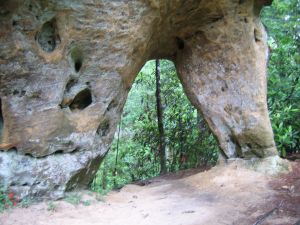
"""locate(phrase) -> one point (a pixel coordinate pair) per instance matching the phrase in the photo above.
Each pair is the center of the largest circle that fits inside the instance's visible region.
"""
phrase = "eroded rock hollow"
(67, 67)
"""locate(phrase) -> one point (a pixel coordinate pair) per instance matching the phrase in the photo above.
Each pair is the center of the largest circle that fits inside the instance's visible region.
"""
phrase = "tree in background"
(283, 25)
(160, 122)
(157, 113)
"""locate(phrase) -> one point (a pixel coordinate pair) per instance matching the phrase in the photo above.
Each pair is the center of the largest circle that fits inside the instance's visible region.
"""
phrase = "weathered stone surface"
(67, 66)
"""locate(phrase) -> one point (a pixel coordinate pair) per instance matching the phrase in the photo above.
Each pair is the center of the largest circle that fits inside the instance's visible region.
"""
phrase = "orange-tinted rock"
(66, 68)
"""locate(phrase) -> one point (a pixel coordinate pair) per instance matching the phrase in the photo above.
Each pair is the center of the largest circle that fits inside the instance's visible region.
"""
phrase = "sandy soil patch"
(224, 195)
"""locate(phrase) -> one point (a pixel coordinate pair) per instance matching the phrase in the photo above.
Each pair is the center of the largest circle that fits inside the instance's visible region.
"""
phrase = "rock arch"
(67, 67)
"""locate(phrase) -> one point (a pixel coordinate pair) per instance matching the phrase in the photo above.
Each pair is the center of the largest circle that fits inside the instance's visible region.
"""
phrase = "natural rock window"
(90, 74)
(82, 100)
(77, 65)
(77, 58)
(47, 36)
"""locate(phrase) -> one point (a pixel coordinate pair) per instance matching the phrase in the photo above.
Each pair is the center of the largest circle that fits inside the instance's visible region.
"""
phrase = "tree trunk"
(162, 143)
(117, 155)
(104, 178)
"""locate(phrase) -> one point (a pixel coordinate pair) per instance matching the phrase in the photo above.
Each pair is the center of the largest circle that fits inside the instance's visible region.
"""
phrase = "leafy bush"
(282, 22)
(7, 200)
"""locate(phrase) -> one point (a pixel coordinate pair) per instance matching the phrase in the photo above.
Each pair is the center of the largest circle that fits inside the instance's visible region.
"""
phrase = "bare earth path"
(224, 195)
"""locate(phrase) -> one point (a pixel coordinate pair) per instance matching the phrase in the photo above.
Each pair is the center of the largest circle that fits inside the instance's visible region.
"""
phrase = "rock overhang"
(66, 69)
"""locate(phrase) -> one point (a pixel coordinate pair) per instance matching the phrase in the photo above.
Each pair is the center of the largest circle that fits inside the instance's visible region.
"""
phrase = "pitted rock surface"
(66, 68)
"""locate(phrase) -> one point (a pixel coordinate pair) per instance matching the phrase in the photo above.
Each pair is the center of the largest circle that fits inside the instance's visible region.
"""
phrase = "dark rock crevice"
(76, 96)
(112, 105)
(82, 100)
(48, 37)
(180, 43)
(71, 83)
(56, 153)
(76, 58)
(103, 128)
(81, 178)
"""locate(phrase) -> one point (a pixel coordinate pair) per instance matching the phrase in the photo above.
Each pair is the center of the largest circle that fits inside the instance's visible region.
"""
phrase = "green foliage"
(76, 199)
(51, 206)
(188, 142)
(26, 202)
(86, 202)
(7, 200)
(283, 25)
(73, 198)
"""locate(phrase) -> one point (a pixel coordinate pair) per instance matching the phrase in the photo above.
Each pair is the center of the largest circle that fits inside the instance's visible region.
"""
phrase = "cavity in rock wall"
(48, 37)
(82, 100)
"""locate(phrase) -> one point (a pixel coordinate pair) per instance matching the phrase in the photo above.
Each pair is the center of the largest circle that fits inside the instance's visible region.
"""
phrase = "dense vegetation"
(283, 24)
(134, 154)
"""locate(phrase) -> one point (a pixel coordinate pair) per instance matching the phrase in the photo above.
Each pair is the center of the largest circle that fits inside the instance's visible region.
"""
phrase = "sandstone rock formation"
(67, 66)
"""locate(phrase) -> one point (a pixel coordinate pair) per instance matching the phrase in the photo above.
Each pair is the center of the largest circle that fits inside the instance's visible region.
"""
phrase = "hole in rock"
(82, 100)
(23, 92)
(16, 92)
(47, 36)
(28, 154)
(77, 58)
(257, 35)
(70, 84)
(180, 43)
(77, 65)
(59, 152)
(135, 154)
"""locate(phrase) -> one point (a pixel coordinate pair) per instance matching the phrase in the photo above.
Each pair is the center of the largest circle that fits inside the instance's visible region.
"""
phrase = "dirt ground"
(223, 195)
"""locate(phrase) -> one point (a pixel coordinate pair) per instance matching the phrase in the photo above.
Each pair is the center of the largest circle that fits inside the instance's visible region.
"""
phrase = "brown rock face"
(67, 67)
